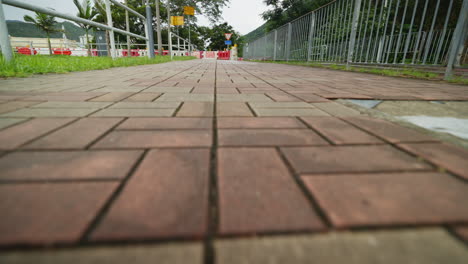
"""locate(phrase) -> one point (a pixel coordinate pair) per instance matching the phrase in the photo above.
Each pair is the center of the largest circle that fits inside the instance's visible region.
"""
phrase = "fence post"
(4, 38)
(169, 34)
(274, 45)
(352, 38)
(111, 32)
(288, 44)
(457, 39)
(127, 27)
(149, 22)
(311, 33)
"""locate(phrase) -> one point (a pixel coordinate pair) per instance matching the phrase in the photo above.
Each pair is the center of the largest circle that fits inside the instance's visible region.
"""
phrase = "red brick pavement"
(205, 150)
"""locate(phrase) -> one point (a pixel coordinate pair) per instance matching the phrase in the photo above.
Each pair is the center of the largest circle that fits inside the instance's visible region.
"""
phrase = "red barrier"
(25, 50)
(62, 52)
(224, 55)
(165, 52)
(133, 53)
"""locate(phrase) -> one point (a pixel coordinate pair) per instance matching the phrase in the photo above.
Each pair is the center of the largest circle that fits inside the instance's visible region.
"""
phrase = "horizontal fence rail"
(383, 32)
(6, 45)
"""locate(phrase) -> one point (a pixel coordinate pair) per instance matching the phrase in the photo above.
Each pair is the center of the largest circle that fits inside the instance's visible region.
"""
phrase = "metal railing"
(5, 41)
(383, 32)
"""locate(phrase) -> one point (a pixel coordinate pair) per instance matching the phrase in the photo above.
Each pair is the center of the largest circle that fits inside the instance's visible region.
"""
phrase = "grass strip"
(23, 65)
(403, 72)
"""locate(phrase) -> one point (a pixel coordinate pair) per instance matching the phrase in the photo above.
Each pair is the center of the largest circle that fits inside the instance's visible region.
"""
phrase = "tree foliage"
(284, 11)
(44, 22)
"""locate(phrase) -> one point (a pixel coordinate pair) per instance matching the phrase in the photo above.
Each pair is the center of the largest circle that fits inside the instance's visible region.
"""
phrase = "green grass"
(23, 66)
(404, 72)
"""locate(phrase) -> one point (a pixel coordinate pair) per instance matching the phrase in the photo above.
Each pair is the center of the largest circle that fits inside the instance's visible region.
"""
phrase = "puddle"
(455, 126)
(369, 104)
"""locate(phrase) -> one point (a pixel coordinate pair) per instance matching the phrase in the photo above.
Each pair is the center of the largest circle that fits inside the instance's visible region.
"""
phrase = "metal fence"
(5, 42)
(395, 32)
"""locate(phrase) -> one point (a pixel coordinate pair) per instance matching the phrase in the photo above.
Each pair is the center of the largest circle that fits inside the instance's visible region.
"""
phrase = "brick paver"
(187, 162)
(162, 200)
(342, 159)
(434, 246)
(49, 213)
(247, 202)
(390, 199)
(67, 165)
(173, 253)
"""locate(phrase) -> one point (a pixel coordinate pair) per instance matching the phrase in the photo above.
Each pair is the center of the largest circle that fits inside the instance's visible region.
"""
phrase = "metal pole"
(149, 22)
(288, 44)
(352, 39)
(457, 39)
(158, 28)
(274, 45)
(169, 35)
(189, 40)
(127, 27)
(111, 32)
(4, 38)
(311, 33)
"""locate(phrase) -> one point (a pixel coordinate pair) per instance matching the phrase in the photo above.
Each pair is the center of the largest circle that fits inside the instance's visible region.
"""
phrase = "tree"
(85, 10)
(285, 11)
(46, 23)
(215, 36)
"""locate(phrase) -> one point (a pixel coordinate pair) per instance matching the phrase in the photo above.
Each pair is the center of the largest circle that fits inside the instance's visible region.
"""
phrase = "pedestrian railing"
(395, 32)
(6, 45)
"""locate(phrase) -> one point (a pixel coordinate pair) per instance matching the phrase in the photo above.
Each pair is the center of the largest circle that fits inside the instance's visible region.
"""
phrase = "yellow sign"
(177, 20)
(188, 10)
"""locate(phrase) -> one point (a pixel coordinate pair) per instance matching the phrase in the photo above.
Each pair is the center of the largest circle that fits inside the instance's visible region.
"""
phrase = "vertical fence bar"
(336, 29)
(169, 34)
(429, 38)
(364, 35)
(369, 41)
(274, 44)
(127, 27)
(349, 6)
(444, 31)
(340, 31)
(149, 23)
(390, 42)
(288, 43)
(311, 35)
(419, 33)
(457, 39)
(382, 40)
(408, 38)
(319, 36)
(111, 32)
(352, 38)
(4, 38)
(377, 36)
(397, 48)
(359, 30)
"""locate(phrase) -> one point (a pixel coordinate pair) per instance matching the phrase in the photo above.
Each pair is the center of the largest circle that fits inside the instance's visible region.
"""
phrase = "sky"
(243, 15)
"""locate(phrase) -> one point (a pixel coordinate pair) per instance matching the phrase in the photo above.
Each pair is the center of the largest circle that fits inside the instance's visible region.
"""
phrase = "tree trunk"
(87, 42)
(48, 41)
(108, 44)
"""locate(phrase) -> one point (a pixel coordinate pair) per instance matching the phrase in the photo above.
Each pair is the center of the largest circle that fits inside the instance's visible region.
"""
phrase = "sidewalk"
(224, 162)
